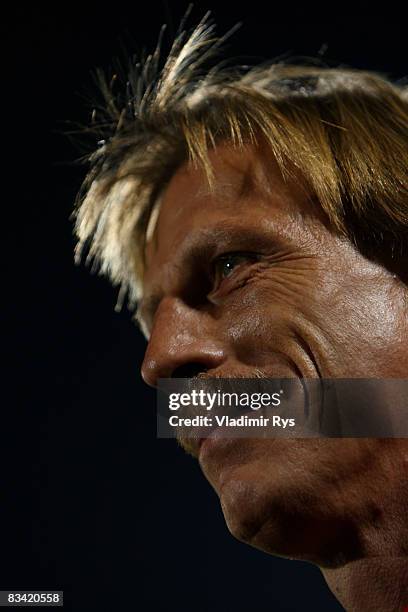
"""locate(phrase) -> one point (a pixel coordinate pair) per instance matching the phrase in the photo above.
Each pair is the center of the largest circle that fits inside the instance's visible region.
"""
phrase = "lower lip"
(213, 441)
(212, 435)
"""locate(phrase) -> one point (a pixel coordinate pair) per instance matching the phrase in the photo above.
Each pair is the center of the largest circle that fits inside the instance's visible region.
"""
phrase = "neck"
(377, 583)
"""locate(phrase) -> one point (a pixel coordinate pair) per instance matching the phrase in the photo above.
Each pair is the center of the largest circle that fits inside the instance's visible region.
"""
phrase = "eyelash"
(250, 256)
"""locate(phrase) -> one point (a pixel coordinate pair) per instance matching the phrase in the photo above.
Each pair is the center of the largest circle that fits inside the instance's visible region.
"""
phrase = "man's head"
(249, 277)
(260, 220)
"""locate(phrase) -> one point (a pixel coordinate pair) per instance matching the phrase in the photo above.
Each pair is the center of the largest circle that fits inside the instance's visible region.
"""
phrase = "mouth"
(194, 444)
(219, 435)
(202, 437)
(203, 442)
(205, 445)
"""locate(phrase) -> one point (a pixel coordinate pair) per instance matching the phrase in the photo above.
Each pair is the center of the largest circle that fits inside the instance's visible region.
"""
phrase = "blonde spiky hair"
(344, 131)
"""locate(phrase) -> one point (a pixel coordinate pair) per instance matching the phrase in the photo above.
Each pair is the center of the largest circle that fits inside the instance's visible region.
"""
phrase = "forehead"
(248, 187)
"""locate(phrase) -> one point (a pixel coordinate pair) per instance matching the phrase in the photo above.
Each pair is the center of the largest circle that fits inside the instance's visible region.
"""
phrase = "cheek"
(268, 295)
(259, 319)
(350, 326)
(357, 331)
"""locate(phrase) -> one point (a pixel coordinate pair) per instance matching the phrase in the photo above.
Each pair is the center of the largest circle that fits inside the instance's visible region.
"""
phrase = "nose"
(183, 343)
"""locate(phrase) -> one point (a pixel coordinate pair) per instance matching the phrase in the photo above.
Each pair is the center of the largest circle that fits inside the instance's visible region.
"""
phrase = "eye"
(225, 265)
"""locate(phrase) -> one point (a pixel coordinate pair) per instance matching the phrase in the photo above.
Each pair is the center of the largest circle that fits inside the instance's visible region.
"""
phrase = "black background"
(91, 502)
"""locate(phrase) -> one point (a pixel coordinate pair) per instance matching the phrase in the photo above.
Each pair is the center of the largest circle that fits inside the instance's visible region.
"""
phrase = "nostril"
(189, 370)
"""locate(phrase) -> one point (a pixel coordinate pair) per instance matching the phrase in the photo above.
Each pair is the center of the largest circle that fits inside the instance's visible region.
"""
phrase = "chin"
(281, 511)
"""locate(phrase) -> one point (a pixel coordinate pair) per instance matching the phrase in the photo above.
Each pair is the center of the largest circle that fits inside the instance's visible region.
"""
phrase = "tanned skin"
(294, 300)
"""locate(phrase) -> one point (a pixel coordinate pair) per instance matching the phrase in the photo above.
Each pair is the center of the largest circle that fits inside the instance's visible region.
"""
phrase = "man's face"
(249, 278)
